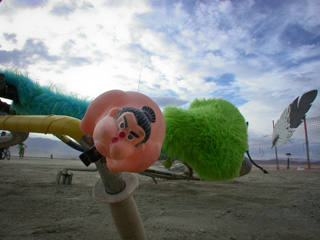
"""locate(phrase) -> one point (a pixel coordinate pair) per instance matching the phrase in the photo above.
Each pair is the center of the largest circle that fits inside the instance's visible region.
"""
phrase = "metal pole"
(307, 142)
(116, 190)
(288, 160)
(275, 149)
(123, 208)
(113, 183)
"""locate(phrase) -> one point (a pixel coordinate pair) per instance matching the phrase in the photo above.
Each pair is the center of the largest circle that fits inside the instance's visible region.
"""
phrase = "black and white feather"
(291, 118)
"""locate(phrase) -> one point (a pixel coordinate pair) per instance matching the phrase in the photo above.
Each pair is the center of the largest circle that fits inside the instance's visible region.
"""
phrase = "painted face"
(118, 138)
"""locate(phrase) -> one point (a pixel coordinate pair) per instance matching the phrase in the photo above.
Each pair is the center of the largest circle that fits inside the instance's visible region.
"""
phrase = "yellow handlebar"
(53, 124)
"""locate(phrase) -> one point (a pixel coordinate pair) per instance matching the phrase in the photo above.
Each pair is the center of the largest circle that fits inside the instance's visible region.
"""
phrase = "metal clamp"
(90, 156)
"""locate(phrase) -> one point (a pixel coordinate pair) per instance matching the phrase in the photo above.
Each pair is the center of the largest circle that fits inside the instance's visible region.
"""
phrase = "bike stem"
(116, 190)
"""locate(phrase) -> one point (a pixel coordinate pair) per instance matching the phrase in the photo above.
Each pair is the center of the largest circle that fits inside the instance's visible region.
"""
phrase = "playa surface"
(279, 205)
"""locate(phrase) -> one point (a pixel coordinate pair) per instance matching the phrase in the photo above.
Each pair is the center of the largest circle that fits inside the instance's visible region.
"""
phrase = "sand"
(279, 205)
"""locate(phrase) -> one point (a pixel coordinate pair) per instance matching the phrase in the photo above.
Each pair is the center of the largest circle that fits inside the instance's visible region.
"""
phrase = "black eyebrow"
(134, 134)
(125, 122)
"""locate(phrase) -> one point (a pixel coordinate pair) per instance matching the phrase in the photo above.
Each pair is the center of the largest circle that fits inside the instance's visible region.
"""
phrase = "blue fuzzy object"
(38, 100)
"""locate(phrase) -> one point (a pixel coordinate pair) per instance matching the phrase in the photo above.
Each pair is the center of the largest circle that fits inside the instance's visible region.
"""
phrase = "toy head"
(129, 137)
(123, 132)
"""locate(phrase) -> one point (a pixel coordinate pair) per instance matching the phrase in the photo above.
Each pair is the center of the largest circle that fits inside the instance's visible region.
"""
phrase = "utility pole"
(307, 142)
(275, 149)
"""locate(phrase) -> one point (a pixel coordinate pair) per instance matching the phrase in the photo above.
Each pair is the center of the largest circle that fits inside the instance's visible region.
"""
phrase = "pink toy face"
(118, 138)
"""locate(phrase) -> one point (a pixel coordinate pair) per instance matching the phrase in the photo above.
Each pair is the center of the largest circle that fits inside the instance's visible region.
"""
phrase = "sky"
(259, 55)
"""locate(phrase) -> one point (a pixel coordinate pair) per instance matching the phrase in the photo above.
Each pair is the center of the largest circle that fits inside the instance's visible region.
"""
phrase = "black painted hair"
(144, 117)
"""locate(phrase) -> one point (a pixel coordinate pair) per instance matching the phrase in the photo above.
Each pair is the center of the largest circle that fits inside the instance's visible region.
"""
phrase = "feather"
(282, 131)
(291, 118)
(298, 111)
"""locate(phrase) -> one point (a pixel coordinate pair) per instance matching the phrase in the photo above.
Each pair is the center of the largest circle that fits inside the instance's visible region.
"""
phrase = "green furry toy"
(210, 137)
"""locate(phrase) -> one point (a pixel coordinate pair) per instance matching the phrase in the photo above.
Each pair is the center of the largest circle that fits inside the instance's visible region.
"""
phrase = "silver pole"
(116, 190)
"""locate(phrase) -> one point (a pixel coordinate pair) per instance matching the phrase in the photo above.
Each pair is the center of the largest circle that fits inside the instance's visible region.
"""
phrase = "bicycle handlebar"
(53, 124)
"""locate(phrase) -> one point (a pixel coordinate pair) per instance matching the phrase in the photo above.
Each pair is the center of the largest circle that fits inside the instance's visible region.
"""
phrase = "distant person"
(3, 133)
(21, 146)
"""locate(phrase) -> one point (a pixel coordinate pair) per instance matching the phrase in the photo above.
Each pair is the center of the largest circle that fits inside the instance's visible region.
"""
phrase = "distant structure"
(290, 119)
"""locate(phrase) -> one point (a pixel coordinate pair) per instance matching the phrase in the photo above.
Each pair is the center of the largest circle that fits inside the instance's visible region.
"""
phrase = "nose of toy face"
(122, 134)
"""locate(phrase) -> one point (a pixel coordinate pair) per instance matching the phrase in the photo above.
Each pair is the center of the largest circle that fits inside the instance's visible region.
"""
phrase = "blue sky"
(260, 55)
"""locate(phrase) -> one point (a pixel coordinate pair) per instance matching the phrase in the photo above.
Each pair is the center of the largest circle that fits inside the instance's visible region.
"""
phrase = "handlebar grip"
(52, 124)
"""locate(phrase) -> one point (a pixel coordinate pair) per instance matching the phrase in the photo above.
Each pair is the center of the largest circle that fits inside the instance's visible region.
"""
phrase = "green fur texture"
(38, 100)
(210, 136)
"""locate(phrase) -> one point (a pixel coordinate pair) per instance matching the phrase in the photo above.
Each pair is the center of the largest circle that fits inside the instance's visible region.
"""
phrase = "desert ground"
(280, 205)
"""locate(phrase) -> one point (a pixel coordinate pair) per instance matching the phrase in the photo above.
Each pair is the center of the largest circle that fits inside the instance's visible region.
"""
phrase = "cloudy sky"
(260, 55)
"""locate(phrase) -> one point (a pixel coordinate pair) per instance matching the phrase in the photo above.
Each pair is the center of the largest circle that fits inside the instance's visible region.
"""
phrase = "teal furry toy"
(32, 99)
(210, 136)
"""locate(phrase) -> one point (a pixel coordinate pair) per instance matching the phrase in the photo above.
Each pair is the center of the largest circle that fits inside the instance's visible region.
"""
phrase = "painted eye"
(121, 125)
(129, 137)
